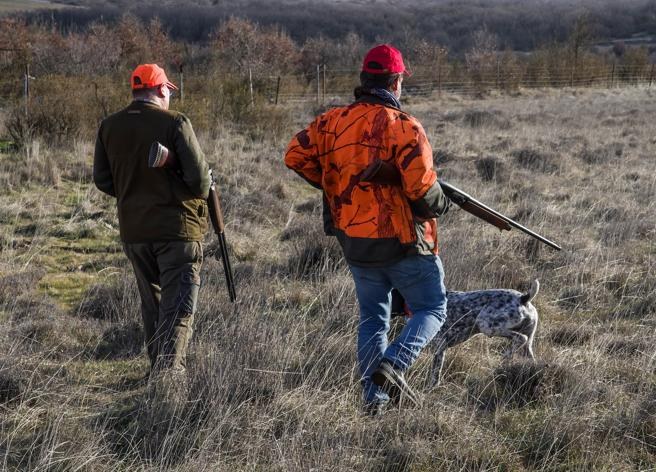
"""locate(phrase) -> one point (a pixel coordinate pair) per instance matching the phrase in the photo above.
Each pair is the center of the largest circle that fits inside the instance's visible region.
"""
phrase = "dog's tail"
(532, 292)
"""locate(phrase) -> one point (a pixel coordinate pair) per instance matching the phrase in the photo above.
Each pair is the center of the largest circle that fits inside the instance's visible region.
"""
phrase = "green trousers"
(168, 277)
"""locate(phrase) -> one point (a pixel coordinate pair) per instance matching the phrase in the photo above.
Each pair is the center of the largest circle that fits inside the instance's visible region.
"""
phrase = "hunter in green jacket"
(162, 213)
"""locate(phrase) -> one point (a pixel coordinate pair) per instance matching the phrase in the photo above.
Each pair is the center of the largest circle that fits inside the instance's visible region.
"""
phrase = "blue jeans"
(420, 279)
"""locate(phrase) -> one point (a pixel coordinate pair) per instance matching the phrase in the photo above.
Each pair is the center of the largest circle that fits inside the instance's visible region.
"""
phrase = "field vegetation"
(272, 381)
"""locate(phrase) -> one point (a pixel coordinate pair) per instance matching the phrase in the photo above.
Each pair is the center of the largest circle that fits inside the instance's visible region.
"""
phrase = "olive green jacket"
(153, 204)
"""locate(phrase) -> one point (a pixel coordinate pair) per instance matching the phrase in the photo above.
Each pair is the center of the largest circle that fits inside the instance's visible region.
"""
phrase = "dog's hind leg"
(528, 329)
(438, 361)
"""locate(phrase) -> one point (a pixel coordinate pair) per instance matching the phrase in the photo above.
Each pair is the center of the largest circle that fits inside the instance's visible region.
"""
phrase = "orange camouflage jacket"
(374, 222)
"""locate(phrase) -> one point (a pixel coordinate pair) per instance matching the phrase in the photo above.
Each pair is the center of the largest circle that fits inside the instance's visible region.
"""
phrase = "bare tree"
(481, 58)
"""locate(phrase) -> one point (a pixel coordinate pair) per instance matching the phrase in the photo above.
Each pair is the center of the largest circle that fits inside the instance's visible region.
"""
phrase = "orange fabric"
(335, 149)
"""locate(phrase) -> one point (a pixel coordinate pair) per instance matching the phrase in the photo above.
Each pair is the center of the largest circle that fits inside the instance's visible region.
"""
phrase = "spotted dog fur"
(504, 313)
(499, 312)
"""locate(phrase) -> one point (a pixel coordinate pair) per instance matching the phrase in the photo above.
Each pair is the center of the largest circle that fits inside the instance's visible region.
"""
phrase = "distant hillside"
(9, 6)
(519, 24)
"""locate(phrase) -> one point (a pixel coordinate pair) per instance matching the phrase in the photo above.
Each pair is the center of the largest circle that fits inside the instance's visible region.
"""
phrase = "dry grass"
(273, 383)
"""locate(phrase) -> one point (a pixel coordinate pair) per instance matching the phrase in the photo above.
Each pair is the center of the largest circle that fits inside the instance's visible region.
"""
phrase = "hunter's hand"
(457, 199)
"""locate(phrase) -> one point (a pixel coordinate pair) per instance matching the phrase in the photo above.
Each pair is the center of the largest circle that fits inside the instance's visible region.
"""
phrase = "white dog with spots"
(498, 312)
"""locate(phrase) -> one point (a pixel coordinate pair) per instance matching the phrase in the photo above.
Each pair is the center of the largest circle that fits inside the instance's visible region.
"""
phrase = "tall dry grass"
(272, 381)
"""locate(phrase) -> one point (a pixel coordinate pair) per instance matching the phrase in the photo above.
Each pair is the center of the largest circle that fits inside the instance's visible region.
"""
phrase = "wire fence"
(326, 86)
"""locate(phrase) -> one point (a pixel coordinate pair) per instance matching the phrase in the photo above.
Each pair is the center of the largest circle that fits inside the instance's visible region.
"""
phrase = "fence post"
(277, 89)
(498, 74)
(26, 89)
(181, 86)
(651, 75)
(250, 85)
(612, 76)
(323, 90)
(318, 84)
(439, 77)
(571, 79)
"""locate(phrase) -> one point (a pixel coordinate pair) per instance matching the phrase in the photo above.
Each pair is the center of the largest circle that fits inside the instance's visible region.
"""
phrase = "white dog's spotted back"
(499, 312)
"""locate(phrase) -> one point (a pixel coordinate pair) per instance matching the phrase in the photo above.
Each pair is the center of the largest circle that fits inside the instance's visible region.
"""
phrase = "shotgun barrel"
(484, 212)
(385, 173)
(216, 217)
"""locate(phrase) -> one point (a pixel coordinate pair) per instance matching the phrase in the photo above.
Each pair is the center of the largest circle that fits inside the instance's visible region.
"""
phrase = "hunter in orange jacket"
(375, 223)
(386, 226)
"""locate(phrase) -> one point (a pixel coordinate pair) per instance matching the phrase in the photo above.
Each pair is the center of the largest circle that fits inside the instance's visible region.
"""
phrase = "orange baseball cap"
(149, 76)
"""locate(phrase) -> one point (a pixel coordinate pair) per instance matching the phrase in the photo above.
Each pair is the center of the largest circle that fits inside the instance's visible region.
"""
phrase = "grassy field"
(272, 383)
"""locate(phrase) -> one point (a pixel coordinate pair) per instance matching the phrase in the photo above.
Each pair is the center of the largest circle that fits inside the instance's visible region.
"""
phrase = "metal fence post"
(318, 84)
(250, 85)
(612, 76)
(26, 89)
(323, 90)
(181, 86)
(277, 90)
(498, 74)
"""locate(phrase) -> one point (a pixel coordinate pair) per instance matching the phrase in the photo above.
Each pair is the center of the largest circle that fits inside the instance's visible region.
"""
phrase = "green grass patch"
(67, 289)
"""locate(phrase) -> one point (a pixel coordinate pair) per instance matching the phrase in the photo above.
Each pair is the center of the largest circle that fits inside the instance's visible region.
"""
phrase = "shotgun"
(160, 156)
(216, 217)
(385, 173)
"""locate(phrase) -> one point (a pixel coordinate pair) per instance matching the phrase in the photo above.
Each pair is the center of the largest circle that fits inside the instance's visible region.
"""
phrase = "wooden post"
(250, 85)
(498, 74)
(181, 85)
(26, 89)
(612, 76)
(277, 89)
(323, 90)
(651, 75)
(439, 77)
(318, 85)
(571, 80)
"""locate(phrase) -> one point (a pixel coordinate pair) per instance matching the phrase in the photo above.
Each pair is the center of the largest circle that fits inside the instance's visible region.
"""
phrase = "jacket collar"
(365, 96)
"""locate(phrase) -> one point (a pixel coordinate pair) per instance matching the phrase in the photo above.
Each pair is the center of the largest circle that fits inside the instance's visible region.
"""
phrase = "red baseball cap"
(384, 59)
(149, 76)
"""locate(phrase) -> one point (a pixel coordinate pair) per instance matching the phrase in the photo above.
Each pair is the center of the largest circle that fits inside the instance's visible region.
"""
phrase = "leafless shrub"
(11, 384)
(313, 253)
(533, 159)
(117, 302)
(523, 383)
(626, 347)
(602, 154)
(121, 341)
(491, 169)
(475, 118)
(574, 335)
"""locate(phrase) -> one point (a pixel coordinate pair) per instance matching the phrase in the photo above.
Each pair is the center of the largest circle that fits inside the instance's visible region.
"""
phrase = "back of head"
(381, 66)
(147, 81)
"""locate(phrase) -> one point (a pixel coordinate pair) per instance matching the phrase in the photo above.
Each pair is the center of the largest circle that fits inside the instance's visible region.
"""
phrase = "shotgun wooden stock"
(216, 217)
(385, 173)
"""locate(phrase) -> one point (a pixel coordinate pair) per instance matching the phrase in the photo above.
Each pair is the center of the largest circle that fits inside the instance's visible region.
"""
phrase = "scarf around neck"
(384, 94)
